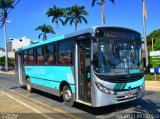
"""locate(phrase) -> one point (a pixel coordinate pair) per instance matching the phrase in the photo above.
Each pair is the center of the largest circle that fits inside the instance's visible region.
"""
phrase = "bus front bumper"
(103, 99)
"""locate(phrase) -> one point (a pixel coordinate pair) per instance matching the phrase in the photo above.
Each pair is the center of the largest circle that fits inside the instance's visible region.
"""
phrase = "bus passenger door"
(84, 90)
(20, 68)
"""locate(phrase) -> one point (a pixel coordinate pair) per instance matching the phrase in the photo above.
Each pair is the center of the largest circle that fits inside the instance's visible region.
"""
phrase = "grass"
(151, 77)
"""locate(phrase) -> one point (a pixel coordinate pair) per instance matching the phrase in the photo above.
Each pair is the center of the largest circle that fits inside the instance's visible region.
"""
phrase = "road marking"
(47, 117)
(48, 106)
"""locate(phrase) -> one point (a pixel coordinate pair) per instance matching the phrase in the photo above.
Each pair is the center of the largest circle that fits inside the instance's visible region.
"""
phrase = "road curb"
(152, 88)
(152, 85)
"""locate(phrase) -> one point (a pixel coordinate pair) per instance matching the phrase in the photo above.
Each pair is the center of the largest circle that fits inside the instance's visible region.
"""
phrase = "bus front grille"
(124, 98)
(121, 79)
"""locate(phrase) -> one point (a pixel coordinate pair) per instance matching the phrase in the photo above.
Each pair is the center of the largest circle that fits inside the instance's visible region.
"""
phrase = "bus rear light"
(105, 89)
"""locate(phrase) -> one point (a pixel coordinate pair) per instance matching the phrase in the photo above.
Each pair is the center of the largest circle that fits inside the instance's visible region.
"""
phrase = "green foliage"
(156, 38)
(76, 14)
(4, 5)
(101, 2)
(2, 61)
(157, 43)
(57, 14)
(45, 29)
(150, 77)
(10, 61)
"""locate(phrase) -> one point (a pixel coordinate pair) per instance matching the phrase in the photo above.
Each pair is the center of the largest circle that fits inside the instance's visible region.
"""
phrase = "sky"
(28, 14)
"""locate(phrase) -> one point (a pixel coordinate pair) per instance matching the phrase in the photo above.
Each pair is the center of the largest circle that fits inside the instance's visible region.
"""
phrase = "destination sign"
(118, 33)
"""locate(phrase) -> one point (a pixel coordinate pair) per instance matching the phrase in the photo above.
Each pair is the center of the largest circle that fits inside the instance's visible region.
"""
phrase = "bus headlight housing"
(105, 89)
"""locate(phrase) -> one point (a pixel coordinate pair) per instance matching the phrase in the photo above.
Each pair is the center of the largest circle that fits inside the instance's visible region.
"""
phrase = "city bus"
(98, 66)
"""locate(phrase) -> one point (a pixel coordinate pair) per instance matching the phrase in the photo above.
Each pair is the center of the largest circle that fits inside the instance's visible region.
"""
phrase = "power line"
(14, 6)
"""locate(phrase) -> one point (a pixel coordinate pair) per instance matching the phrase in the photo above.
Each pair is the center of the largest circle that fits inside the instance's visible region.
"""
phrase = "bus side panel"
(51, 76)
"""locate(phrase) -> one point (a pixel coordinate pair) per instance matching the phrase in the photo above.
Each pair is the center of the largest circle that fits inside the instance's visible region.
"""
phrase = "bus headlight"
(141, 87)
(104, 89)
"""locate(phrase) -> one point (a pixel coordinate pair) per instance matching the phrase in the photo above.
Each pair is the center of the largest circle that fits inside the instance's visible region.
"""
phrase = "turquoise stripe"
(135, 84)
(51, 76)
(46, 83)
(120, 86)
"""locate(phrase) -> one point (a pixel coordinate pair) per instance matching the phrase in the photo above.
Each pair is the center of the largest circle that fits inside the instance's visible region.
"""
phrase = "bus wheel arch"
(66, 93)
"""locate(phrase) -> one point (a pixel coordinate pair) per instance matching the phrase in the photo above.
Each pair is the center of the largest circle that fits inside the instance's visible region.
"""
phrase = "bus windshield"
(114, 56)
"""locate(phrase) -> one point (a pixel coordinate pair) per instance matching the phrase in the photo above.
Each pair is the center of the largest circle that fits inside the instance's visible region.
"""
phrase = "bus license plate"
(129, 95)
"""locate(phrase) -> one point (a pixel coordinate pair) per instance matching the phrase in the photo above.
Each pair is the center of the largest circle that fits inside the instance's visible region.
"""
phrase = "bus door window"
(84, 69)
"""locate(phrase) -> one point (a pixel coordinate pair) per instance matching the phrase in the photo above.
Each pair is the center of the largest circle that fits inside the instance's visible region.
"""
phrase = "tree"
(57, 14)
(75, 14)
(4, 5)
(101, 3)
(45, 29)
(157, 44)
(10, 61)
(2, 61)
(155, 35)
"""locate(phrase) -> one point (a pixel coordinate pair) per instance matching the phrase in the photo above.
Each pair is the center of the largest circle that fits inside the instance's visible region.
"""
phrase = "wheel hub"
(28, 85)
(67, 95)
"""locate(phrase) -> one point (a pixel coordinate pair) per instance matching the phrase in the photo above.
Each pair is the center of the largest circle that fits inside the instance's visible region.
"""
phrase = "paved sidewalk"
(9, 72)
(14, 107)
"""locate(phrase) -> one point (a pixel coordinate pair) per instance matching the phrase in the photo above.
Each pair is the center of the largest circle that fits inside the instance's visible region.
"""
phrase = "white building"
(2, 52)
(13, 44)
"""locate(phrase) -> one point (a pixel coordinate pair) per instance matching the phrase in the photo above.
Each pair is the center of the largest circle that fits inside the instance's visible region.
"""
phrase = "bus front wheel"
(68, 96)
(28, 85)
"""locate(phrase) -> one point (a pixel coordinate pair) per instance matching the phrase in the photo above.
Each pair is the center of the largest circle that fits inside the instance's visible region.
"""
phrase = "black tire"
(68, 96)
(28, 85)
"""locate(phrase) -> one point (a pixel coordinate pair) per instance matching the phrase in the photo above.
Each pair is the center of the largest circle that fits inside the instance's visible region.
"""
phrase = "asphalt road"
(146, 107)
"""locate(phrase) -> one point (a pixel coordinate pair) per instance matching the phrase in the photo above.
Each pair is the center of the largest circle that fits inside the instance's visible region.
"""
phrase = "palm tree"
(76, 15)
(45, 29)
(56, 14)
(4, 5)
(101, 3)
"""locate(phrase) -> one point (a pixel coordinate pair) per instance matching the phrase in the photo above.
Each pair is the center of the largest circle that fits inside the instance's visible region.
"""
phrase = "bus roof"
(78, 33)
(58, 38)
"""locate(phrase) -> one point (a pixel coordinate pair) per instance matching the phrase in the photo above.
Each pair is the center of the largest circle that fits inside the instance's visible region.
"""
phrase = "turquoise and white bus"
(97, 66)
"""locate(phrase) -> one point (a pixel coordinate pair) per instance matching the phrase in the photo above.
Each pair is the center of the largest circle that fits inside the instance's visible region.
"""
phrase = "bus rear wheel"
(28, 85)
(68, 96)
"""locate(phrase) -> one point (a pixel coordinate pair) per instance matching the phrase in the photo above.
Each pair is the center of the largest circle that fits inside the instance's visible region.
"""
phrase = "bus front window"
(116, 57)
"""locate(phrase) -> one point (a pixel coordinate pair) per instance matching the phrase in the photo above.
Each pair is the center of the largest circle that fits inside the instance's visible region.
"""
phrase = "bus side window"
(39, 56)
(25, 57)
(65, 53)
(49, 55)
(30, 56)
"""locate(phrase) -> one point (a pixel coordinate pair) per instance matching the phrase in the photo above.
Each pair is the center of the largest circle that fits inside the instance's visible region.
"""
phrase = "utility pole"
(144, 31)
(6, 52)
(5, 40)
(155, 76)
